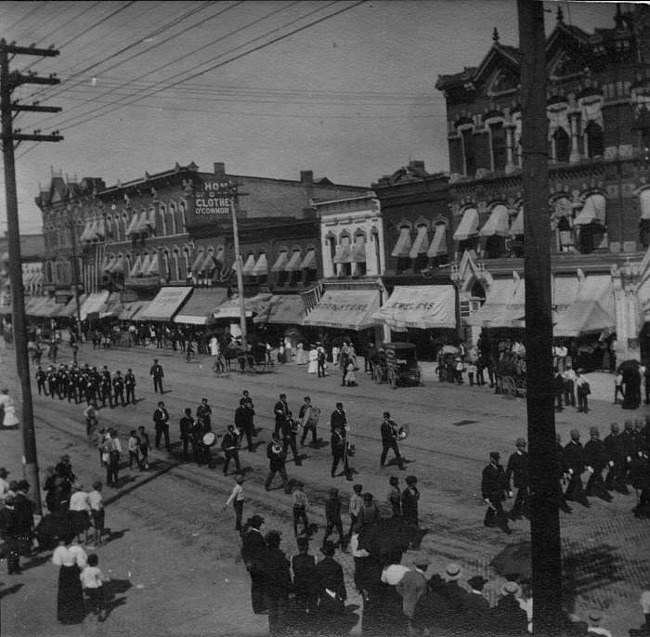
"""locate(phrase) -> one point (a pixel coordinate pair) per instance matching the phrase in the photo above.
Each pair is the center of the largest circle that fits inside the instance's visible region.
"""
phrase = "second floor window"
(469, 155)
(498, 146)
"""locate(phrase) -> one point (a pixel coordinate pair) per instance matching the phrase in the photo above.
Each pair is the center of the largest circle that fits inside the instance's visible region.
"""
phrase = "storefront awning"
(280, 262)
(497, 224)
(644, 198)
(113, 306)
(153, 267)
(165, 304)
(133, 224)
(129, 309)
(594, 211)
(419, 307)
(86, 235)
(247, 270)
(438, 245)
(47, 307)
(504, 306)
(358, 251)
(198, 309)
(70, 310)
(294, 262)
(210, 264)
(517, 226)
(421, 243)
(252, 305)
(403, 246)
(261, 266)
(468, 226)
(564, 291)
(108, 264)
(93, 304)
(282, 309)
(309, 262)
(583, 317)
(137, 315)
(345, 309)
(198, 262)
(118, 265)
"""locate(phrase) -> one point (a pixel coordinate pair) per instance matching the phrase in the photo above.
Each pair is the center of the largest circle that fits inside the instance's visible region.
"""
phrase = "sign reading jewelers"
(215, 199)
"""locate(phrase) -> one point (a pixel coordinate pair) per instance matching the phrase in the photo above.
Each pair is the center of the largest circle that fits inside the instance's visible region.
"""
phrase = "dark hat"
(495, 454)
(411, 480)
(302, 542)
(393, 481)
(333, 491)
(593, 430)
(477, 582)
(521, 442)
(3, 472)
(65, 456)
(328, 549)
(23, 485)
(256, 520)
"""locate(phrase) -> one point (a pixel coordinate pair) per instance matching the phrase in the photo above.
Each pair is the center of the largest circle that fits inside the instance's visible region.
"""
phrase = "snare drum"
(209, 439)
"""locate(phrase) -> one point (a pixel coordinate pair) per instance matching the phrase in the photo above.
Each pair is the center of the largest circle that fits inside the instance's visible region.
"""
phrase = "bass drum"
(209, 439)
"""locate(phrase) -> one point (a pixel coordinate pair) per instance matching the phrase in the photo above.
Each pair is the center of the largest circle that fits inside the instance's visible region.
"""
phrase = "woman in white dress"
(10, 421)
(302, 356)
(313, 361)
(214, 346)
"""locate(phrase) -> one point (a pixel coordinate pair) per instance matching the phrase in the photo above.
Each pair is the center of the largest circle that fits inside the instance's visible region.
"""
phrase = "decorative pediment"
(501, 61)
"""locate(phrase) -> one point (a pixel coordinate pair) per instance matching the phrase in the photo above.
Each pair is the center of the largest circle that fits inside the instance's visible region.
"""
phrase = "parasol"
(515, 559)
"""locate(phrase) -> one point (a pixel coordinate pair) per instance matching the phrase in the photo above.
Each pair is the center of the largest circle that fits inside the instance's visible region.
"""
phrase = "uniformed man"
(282, 413)
(118, 387)
(615, 460)
(52, 380)
(517, 473)
(204, 411)
(596, 461)
(277, 460)
(574, 460)
(41, 377)
(338, 443)
(389, 434)
(106, 387)
(129, 386)
(230, 447)
(186, 425)
(308, 417)
(289, 432)
(161, 425)
(494, 489)
(156, 372)
(338, 417)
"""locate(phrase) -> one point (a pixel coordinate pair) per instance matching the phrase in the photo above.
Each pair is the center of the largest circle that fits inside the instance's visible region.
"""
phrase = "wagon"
(511, 376)
(401, 365)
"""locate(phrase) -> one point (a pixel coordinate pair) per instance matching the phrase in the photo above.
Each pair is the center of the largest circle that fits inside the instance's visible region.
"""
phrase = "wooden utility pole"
(239, 270)
(10, 140)
(544, 482)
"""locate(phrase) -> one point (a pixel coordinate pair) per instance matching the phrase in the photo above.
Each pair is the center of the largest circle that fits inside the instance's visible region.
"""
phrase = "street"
(174, 546)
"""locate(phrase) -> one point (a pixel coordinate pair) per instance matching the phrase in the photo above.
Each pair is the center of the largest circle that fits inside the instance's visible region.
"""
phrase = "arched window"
(171, 219)
(182, 226)
(498, 145)
(176, 265)
(343, 256)
(469, 151)
(594, 140)
(561, 145)
(162, 220)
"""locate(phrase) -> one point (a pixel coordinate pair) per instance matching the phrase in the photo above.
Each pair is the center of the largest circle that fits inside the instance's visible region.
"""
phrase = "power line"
(152, 34)
(90, 115)
(27, 15)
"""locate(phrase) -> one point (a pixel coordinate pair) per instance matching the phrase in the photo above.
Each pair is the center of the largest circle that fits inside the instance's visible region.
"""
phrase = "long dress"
(70, 600)
(313, 361)
(302, 356)
(214, 346)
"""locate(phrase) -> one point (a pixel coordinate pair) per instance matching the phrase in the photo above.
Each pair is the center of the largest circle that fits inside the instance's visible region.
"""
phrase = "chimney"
(219, 169)
(306, 176)
(417, 164)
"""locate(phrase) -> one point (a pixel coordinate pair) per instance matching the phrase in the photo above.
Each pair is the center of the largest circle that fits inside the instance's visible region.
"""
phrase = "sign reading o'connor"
(216, 199)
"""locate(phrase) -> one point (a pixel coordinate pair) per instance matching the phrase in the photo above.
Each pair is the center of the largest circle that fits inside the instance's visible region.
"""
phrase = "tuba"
(277, 448)
(402, 432)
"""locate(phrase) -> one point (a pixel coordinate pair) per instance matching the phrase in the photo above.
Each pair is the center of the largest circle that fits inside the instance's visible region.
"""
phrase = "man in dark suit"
(517, 472)
(493, 488)
(186, 424)
(129, 385)
(156, 372)
(282, 413)
(561, 471)
(244, 422)
(41, 377)
(253, 552)
(118, 387)
(574, 459)
(615, 460)
(161, 425)
(388, 430)
(204, 411)
(338, 418)
(476, 609)
(330, 577)
(338, 443)
(277, 461)
(596, 460)
(106, 387)
(230, 448)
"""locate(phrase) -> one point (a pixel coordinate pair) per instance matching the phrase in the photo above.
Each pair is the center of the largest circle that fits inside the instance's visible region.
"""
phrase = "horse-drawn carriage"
(397, 364)
(510, 375)
(256, 359)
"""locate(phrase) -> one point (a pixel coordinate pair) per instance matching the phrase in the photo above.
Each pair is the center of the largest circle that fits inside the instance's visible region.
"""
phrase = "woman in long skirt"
(71, 558)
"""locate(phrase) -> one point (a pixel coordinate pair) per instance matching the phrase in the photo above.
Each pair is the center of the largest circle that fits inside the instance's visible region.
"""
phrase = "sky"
(345, 89)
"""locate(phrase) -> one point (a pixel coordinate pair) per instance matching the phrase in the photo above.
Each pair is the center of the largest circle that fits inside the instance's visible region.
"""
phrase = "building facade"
(598, 94)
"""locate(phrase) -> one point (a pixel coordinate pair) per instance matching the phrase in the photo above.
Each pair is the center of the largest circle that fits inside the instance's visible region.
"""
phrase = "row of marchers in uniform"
(623, 455)
(84, 383)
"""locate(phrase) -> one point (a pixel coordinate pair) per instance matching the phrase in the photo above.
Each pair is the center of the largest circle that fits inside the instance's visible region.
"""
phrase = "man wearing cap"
(333, 515)
(389, 432)
(308, 416)
(244, 422)
(277, 461)
(574, 459)
(595, 618)
(338, 446)
(411, 587)
(596, 460)
(41, 377)
(338, 418)
(253, 552)
(615, 448)
(517, 472)
(156, 372)
(204, 411)
(129, 386)
(582, 390)
(494, 489)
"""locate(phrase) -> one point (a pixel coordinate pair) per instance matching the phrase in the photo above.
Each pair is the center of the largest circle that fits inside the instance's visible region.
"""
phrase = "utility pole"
(10, 140)
(239, 268)
(544, 481)
(75, 273)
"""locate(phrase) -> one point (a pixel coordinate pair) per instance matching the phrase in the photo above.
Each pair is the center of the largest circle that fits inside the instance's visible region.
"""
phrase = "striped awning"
(153, 266)
(261, 267)
(309, 262)
(294, 262)
(594, 211)
(133, 224)
(498, 223)
(358, 251)
(438, 244)
(403, 246)
(280, 262)
(421, 243)
(517, 227)
(342, 254)
(468, 226)
(249, 265)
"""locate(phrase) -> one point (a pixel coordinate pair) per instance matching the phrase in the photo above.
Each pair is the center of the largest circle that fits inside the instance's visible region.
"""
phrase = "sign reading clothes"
(216, 198)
